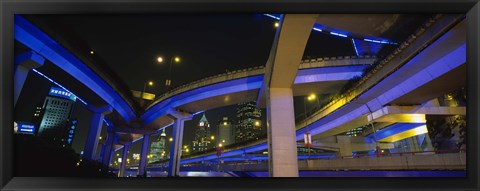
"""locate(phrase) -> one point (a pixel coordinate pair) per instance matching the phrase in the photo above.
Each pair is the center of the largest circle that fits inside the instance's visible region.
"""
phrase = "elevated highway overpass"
(434, 55)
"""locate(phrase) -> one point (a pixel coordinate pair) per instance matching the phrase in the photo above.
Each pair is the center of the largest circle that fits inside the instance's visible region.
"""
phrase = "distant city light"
(276, 24)
(91, 52)
(257, 123)
(177, 59)
(150, 83)
(225, 123)
(212, 137)
(171, 139)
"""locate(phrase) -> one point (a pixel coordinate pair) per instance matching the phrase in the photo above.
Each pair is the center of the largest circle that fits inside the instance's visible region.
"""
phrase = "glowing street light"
(225, 123)
(170, 139)
(220, 145)
(159, 59)
(276, 24)
(212, 137)
(91, 52)
(257, 123)
(176, 59)
(150, 83)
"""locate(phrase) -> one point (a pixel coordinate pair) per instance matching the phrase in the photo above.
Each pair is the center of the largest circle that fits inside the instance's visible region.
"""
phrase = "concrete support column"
(345, 144)
(143, 155)
(121, 171)
(108, 151)
(94, 131)
(23, 64)
(282, 143)
(102, 152)
(176, 147)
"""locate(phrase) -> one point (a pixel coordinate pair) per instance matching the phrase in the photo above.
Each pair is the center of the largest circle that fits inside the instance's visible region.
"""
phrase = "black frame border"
(10, 7)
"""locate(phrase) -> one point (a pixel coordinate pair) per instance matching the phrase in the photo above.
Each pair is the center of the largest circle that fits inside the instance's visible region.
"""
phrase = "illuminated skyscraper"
(226, 133)
(157, 149)
(249, 123)
(55, 124)
(202, 138)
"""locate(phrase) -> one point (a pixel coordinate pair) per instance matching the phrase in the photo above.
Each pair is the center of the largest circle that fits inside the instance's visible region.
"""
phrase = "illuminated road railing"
(254, 71)
(405, 52)
(405, 153)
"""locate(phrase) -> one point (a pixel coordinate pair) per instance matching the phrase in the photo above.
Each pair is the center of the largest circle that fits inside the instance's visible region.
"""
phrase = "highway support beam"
(108, 149)
(176, 147)
(23, 64)
(276, 92)
(143, 155)
(94, 132)
(121, 171)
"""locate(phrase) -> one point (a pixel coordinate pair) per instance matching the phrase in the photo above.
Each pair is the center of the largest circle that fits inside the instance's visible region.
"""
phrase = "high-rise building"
(37, 116)
(55, 124)
(226, 132)
(157, 149)
(202, 138)
(249, 123)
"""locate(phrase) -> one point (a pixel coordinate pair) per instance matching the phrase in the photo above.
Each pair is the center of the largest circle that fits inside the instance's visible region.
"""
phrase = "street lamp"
(307, 135)
(175, 59)
(311, 97)
(150, 83)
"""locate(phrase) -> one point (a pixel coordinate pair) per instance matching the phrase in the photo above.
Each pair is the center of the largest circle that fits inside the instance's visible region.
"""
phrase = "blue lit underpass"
(400, 114)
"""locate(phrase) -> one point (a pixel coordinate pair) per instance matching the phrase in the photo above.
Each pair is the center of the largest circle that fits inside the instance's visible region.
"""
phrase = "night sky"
(207, 44)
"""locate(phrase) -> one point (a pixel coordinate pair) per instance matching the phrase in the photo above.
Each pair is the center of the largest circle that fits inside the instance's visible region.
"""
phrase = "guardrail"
(404, 153)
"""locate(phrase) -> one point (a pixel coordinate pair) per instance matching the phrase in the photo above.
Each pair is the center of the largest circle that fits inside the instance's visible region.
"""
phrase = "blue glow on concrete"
(49, 79)
(338, 34)
(394, 129)
(32, 37)
(448, 62)
(337, 73)
(197, 113)
(223, 88)
(355, 47)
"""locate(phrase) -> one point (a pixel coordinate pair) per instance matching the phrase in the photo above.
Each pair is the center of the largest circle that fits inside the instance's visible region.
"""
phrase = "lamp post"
(307, 135)
(150, 83)
(168, 81)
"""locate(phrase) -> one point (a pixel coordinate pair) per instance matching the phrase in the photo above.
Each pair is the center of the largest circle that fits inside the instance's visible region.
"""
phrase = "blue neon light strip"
(355, 46)
(338, 34)
(272, 16)
(318, 27)
(49, 79)
(376, 41)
